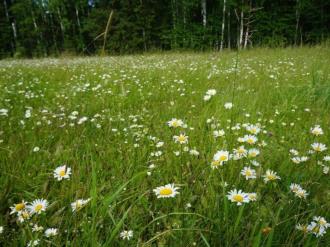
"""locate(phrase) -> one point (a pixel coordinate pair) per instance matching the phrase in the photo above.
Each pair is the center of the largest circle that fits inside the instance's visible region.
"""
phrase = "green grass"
(137, 96)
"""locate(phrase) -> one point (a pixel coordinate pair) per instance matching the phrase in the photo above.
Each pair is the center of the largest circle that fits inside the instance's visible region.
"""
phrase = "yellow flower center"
(165, 192)
(317, 149)
(253, 154)
(250, 141)
(62, 173)
(25, 215)
(223, 157)
(316, 229)
(182, 138)
(271, 177)
(78, 204)
(238, 198)
(38, 208)
(248, 173)
(215, 163)
(175, 124)
(241, 151)
(19, 206)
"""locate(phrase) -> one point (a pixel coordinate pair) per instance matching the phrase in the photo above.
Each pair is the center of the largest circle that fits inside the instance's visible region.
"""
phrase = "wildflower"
(253, 129)
(240, 152)
(255, 163)
(301, 193)
(219, 158)
(62, 172)
(294, 152)
(218, 133)
(32, 243)
(82, 120)
(252, 196)
(238, 196)
(326, 158)
(228, 105)
(18, 207)
(316, 229)
(3, 112)
(1, 229)
(78, 204)
(298, 160)
(126, 234)
(207, 97)
(51, 232)
(38, 206)
(295, 187)
(252, 153)
(317, 130)
(321, 221)
(182, 139)
(248, 173)
(270, 176)
(36, 149)
(250, 139)
(37, 228)
(194, 152)
(159, 144)
(211, 92)
(23, 215)
(174, 123)
(302, 228)
(166, 191)
(318, 147)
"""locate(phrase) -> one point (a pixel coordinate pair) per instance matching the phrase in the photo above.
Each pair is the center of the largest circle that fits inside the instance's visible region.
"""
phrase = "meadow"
(169, 149)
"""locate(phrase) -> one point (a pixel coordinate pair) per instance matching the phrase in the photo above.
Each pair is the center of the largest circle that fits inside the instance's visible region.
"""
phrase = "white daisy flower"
(33, 243)
(211, 92)
(253, 152)
(62, 172)
(126, 234)
(219, 158)
(248, 173)
(182, 139)
(166, 191)
(318, 147)
(51, 232)
(250, 139)
(175, 123)
(253, 129)
(207, 97)
(218, 133)
(228, 105)
(240, 153)
(78, 204)
(270, 176)
(316, 229)
(317, 130)
(23, 216)
(18, 207)
(252, 196)
(38, 206)
(238, 196)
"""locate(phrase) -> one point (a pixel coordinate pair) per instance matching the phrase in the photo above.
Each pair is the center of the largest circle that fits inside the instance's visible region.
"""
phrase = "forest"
(39, 28)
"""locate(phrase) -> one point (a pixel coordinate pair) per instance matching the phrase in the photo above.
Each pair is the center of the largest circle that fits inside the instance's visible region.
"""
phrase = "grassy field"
(100, 130)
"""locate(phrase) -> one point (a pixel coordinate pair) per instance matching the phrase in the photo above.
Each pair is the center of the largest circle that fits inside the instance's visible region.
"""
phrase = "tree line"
(30, 28)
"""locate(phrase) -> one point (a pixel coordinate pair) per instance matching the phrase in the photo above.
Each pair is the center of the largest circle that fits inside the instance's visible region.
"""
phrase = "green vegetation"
(107, 118)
